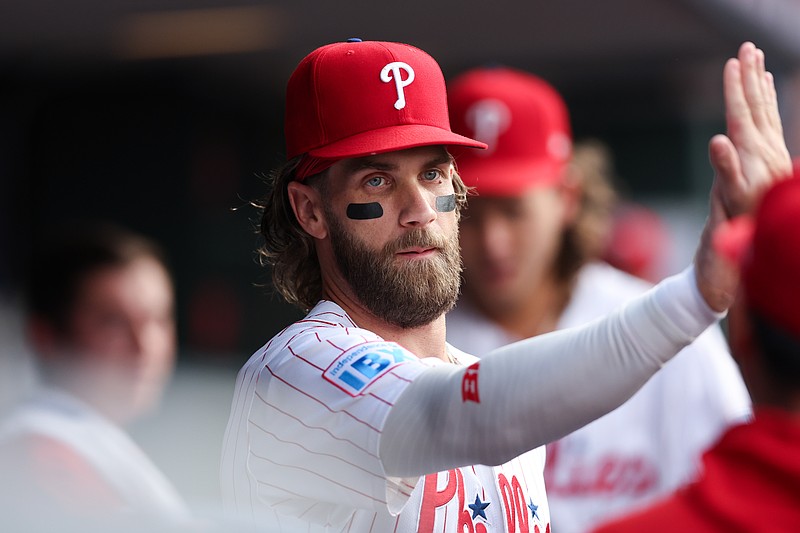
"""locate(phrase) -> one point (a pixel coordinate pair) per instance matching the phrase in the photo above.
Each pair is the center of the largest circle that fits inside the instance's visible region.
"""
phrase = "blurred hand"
(746, 161)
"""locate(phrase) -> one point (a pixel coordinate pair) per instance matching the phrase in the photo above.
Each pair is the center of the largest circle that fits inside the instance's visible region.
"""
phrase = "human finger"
(737, 111)
(771, 97)
(728, 175)
(753, 69)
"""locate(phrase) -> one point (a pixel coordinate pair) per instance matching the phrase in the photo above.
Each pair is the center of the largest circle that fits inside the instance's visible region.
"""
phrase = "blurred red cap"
(522, 119)
(768, 248)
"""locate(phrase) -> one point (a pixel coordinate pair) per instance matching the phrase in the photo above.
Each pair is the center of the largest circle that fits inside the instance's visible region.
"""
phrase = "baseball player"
(751, 477)
(528, 270)
(360, 417)
(101, 324)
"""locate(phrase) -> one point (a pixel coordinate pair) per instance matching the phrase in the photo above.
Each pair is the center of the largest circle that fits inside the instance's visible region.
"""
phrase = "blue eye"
(433, 174)
(376, 181)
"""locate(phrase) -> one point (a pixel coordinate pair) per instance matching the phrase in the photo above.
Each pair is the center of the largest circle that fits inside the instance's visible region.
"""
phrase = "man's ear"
(307, 207)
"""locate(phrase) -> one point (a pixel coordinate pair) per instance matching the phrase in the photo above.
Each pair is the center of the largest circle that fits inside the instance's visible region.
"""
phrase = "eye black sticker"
(446, 203)
(365, 211)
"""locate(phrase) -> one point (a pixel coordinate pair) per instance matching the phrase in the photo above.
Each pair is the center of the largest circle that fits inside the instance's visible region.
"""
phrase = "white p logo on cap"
(488, 119)
(392, 71)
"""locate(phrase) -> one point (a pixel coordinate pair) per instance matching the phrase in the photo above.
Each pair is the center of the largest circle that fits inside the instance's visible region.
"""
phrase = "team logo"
(394, 71)
(469, 384)
(358, 368)
(488, 119)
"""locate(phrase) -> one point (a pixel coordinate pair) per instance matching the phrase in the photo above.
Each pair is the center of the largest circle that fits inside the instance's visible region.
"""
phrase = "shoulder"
(469, 329)
(463, 358)
(48, 411)
(328, 320)
(48, 469)
(327, 344)
(600, 289)
(603, 277)
(326, 329)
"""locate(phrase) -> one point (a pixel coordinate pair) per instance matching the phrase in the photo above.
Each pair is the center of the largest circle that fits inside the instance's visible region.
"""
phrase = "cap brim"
(508, 176)
(391, 139)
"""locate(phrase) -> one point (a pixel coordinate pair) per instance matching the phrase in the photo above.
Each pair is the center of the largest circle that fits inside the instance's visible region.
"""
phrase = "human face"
(403, 266)
(121, 337)
(509, 246)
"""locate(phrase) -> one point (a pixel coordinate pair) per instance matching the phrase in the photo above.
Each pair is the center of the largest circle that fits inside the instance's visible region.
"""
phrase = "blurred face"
(403, 266)
(509, 246)
(122, 337)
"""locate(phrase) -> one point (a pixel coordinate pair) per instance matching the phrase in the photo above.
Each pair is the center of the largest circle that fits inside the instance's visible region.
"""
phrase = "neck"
(423, 341)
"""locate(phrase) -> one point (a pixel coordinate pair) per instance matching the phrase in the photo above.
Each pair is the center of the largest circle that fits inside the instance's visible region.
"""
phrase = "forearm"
(540, 389)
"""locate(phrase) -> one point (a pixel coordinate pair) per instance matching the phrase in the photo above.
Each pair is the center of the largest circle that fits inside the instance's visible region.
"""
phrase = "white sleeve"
(535, 391)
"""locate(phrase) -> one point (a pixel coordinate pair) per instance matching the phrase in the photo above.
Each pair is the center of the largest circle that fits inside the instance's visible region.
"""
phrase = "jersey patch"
(358, 368)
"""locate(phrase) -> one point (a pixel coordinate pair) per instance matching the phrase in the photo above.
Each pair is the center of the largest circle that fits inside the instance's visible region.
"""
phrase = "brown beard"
(407, 295)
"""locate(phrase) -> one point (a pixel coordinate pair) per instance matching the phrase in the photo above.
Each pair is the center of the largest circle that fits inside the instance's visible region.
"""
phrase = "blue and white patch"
(358, 368)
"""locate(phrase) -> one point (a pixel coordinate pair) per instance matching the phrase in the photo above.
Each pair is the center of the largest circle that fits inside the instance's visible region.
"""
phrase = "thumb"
(727, 170)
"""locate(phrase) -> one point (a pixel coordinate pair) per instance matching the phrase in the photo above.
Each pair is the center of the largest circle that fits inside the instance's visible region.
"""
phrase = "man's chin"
(409, 313)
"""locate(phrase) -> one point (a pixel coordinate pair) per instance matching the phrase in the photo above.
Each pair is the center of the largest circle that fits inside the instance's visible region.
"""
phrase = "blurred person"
(101, 324)
(751, 476)
(531, 239)
(361, 417)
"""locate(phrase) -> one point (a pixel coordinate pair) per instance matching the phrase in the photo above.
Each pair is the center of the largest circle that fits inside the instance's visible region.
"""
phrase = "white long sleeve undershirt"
(538, 390)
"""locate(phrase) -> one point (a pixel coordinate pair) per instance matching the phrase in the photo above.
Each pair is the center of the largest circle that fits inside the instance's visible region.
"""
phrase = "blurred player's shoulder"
(600, 288)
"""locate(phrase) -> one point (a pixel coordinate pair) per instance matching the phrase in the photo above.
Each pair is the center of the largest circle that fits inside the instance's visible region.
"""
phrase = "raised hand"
(753, 154)
(746, 161)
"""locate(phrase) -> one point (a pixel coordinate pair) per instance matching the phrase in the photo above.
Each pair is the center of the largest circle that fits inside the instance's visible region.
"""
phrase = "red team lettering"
(469, 385)
(606, 475)
(515, 505)
(433, 498)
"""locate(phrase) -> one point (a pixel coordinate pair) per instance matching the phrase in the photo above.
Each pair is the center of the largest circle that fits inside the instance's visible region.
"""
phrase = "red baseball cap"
(524, 122)
(768, 247)
(354, 98)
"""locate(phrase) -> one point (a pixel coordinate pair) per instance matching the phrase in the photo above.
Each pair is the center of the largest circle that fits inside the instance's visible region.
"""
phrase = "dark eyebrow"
(444, 159)
(367, 163)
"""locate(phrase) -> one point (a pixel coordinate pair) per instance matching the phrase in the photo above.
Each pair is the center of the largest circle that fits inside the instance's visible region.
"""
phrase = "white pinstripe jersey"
(301, 451)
